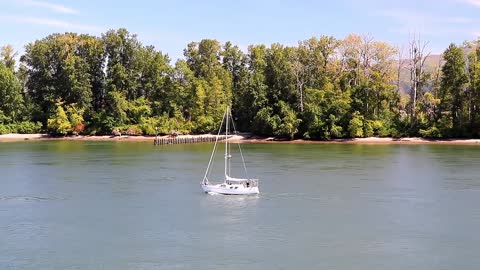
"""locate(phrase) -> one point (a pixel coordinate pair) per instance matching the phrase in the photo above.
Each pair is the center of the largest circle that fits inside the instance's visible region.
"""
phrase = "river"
(130, 205)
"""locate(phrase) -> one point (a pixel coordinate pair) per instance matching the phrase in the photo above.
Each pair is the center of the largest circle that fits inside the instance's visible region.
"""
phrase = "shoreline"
(242, 138)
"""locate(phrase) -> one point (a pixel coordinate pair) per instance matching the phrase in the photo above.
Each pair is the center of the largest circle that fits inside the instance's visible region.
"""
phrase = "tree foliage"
(322, 88)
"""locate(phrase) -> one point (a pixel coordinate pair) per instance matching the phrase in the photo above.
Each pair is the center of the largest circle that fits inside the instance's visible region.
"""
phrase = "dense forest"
(323, 88)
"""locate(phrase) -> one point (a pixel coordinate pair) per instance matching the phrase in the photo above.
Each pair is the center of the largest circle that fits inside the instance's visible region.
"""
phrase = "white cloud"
(427, 24)
(473, 2)
(48, 5)
(51, 22)
(416, 18)
(458, 20)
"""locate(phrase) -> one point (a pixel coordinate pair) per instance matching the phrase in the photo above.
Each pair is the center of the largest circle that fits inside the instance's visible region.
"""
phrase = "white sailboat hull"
(227, 189)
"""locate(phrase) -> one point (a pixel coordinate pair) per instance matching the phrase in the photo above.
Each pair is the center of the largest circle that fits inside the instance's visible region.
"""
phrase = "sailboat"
(230, 185)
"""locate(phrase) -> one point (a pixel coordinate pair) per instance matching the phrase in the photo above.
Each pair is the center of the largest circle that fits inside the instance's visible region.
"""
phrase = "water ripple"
(28, 198)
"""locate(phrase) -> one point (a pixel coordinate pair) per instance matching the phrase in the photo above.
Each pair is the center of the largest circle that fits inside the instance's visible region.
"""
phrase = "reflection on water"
(108, 205)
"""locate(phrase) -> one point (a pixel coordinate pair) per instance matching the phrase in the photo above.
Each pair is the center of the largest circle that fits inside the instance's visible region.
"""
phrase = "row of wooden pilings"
(185, 140)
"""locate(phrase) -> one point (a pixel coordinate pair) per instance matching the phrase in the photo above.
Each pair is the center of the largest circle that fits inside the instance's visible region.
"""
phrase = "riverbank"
(247, 138)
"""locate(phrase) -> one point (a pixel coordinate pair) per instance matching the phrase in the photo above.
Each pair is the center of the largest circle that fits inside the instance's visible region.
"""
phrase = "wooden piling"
(185, 140)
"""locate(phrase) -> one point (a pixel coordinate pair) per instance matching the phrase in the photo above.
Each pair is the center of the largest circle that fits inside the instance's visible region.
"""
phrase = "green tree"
(181, 97)
(313, 65)
(139, 110)
(8, 55)
(279, 77)
(234, 61)
(251, 95)
(91, 50)
(155, 81)
(473, 90)
(213, 84)
(123, 65)
(325, 113)
(11, 99)
(289, 122)
(118, 107)
(58, 70)
(452, 89)
(264, 123)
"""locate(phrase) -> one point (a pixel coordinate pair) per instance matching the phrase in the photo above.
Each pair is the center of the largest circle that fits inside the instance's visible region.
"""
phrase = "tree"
(183, 90)
(322, 88)
(58, 68)
(310, 64)
(155, 82)
(325, 113)
(473, 90)
(235, 62)
(418, 75)
(367, 71)
(92, 50)
(123, 65)
(289, 122)
(279, 77)
(8, 55)
(12, 105)
(213, 83)
(264, 123)
(452, 89)
(253, 96)
(118, 107)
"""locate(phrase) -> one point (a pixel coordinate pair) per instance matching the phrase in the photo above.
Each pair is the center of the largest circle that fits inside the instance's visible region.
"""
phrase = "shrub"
(264, 123)
(4, 129)
(76, 119)
(78, 128)
(59, 124)
(147, 129)
(432, 132)
(101, 124)
(134, 131)
(375, 128)
(355, 126)
(368, 129)
(204, 124)
(27, 127)
(149, 124)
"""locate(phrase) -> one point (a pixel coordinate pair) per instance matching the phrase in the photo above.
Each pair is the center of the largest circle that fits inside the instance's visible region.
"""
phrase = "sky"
(171, 25)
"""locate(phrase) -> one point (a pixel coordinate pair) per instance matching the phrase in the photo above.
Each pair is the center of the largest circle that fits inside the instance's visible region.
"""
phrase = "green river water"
(111, 205)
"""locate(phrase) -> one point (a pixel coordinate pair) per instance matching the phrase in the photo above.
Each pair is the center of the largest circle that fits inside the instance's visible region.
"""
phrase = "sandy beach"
(243, 138)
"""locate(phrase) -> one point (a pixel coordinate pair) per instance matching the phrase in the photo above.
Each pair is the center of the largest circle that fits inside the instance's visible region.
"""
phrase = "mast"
(226, 143)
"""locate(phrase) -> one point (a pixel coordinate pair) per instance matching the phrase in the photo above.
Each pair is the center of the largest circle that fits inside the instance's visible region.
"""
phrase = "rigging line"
(212, 157)
(239, 148)
(214, 150)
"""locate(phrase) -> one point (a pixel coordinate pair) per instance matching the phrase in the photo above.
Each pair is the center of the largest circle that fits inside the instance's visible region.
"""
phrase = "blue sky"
(170, 25)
